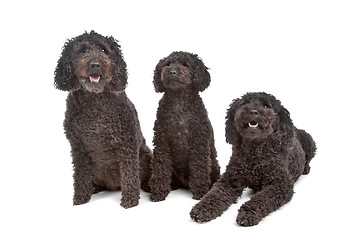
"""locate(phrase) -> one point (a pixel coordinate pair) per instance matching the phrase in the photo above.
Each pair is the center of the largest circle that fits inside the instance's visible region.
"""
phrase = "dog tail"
(308, 146)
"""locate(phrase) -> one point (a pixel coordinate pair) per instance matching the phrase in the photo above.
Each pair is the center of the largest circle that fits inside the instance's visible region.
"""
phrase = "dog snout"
(254, 112)
(94, 65)
(173, 71)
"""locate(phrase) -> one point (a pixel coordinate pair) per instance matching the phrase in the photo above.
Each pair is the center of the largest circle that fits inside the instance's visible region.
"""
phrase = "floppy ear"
(285, 122)
(65, 78)
(118, 69)
(202, 76)
(158, 84)
(231, 134)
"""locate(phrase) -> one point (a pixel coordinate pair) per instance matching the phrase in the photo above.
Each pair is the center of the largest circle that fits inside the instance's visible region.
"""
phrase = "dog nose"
(173, 72)
(254, 112)
(94, 65)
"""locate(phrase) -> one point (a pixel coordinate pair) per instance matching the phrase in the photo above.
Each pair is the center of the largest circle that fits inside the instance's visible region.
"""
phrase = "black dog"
(184, 151)
(269, 155)
(101, 123)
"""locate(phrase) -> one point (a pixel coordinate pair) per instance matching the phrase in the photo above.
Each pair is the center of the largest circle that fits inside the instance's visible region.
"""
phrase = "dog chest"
(96, 133)
(178, 129)
(261, 169)
(97, 130)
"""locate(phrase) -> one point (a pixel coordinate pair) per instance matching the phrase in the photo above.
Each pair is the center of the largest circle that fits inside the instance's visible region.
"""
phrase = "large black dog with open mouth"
(108, 149)
(269, 155)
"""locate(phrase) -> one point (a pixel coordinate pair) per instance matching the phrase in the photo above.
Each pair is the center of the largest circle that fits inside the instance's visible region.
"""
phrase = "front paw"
(158, 197)
(203, 213)
(79, 199)
(129, 202)
(248, 218)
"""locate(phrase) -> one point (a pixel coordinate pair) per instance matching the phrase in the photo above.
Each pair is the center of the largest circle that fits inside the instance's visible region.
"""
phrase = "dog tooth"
(253, 126)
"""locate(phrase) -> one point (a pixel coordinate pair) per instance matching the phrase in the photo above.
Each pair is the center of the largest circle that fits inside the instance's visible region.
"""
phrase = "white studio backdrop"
(306, 53)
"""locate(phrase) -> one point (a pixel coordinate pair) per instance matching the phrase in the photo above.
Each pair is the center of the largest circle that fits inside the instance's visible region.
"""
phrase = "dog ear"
(285, 122)
(119, 67)
(202, 76)
(231, 134)
(65, 78)
(158, 84)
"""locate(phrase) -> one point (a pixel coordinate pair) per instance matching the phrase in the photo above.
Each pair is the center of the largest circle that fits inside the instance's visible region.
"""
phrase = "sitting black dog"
(108, 149)
(269, 155)
(184, 150)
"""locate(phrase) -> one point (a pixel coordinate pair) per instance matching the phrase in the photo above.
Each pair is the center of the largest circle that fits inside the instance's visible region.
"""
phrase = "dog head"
(181, 71)
(92, 62)
(256, 116)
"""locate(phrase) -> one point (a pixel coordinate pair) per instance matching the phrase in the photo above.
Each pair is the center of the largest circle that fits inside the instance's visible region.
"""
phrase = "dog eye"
(185, 65)
(103, 49)
(82, 48)
(266, 105)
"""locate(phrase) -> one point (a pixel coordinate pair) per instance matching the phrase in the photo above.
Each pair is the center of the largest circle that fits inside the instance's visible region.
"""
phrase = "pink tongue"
(94, 78)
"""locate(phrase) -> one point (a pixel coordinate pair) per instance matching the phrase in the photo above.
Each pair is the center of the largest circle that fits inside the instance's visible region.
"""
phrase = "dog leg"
(264, 202)
(215, 167)
(145, 157)
(83, 177)
(160, 181)
(130, 179)
(223, 193)
(200, 170)
(161, 166)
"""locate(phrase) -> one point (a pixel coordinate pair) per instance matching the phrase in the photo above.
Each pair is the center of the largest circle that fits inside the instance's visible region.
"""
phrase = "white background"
(306, 53)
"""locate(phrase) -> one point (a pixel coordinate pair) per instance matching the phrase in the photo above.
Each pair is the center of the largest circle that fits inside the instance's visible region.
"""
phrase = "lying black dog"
(269, 155)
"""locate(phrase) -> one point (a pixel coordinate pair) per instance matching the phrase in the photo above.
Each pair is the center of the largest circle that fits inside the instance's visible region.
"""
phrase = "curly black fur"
(108, 149)
(184, 151)
(269, 155)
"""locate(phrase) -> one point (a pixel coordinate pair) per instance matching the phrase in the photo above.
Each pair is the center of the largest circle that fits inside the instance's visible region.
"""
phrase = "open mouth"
(94, 78)
(253, 124)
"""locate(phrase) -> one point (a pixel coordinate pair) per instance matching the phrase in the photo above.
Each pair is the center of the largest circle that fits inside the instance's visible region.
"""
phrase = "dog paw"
(248, 218)
(158, 197)
(81, 199)
(198, 216)
(202, 213)
(128, 203)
